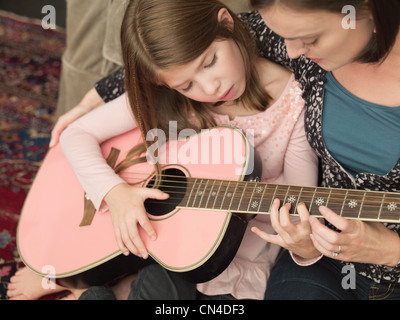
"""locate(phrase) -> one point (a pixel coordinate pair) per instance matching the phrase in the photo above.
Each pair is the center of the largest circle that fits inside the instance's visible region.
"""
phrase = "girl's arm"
(81, 145)
(81, 141)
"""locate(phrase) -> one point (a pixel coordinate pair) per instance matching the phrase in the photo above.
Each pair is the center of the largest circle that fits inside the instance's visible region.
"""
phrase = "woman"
(349, 77)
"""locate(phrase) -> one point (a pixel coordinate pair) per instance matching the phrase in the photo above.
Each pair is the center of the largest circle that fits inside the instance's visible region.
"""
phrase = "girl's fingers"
(143, 219)
(271, 238)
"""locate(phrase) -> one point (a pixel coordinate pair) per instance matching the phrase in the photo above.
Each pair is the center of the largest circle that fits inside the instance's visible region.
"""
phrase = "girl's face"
(322, 36)
(216, 75)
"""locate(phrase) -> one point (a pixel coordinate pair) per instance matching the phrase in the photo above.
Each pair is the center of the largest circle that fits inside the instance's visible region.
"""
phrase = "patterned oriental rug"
(29, 78)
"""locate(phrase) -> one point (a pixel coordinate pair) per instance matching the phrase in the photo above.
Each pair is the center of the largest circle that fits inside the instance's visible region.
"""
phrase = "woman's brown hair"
(386, 15)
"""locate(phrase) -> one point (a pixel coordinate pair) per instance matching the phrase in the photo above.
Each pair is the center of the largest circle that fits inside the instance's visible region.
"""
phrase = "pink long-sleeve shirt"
(279, 139)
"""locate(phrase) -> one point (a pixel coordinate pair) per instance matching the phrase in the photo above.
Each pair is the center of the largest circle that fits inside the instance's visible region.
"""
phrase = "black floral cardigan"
(312, 80)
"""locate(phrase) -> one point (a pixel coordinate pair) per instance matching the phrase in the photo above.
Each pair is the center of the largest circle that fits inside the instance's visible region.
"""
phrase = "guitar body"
(198, 244)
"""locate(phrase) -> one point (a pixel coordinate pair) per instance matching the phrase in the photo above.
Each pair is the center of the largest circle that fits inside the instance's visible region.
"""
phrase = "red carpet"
(29, 76)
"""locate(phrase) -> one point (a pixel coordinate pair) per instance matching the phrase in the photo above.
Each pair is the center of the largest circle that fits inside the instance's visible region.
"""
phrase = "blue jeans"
(324, 280)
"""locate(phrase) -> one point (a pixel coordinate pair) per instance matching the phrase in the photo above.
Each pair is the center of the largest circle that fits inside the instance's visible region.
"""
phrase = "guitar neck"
(257, 197)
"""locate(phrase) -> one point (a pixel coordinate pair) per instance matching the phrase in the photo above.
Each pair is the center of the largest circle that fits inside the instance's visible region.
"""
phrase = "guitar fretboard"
(257, 198)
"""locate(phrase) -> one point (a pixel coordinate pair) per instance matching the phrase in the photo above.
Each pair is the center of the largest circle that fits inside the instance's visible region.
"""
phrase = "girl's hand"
(358, 241)
(126, 204)
(294, 237)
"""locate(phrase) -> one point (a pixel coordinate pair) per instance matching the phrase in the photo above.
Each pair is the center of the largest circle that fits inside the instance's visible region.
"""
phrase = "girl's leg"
(27, 285)
(156, 283)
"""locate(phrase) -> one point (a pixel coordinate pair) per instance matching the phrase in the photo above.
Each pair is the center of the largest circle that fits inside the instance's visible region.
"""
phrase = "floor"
(33, 8)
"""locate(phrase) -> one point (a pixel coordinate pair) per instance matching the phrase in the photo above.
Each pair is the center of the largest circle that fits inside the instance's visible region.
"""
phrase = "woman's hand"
(90, 101)
(294, 237)
(358, 241)
(126, 204)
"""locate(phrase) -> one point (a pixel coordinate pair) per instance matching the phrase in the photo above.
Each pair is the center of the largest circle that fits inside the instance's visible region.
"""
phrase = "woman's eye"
(214, 60)
(311, 43)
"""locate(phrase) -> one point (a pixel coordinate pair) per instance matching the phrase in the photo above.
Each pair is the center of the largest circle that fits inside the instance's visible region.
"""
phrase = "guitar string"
(190, 181)
(188, 184)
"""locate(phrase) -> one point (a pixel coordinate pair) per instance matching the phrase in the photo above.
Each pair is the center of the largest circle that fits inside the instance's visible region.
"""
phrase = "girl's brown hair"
(386, 15)
(163, 34)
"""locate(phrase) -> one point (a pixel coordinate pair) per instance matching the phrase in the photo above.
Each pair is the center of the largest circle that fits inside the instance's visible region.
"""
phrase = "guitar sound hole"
(173, 182)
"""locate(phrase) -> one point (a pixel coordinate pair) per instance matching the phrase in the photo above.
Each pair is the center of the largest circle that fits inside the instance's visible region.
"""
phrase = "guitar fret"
(197, 193)
(225, 193)
(273, 198)
(234, 193)
(298, 199)
(390, 208)
(191, 191)
(216, 197)
(262, 198)
(352, 204)
(221, 195)
(344, 201)
(329, 197)
(241, 198)
(361, 205)
(380, 209)
(334, 200)
(372, 205)
(286, 195)
(312, 202)
(257, 198)
(320, 198)
(251, 203)
(292, 197)
(210, 193)
(204, 191)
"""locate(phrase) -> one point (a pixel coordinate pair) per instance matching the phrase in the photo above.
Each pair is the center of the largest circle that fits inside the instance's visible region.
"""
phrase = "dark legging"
(154, 283)
(328, 279)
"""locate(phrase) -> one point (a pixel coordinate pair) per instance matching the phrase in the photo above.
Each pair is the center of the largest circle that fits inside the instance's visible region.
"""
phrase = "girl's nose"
(211, 86)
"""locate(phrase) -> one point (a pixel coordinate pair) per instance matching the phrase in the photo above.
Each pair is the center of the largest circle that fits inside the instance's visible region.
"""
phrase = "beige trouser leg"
(83, 63)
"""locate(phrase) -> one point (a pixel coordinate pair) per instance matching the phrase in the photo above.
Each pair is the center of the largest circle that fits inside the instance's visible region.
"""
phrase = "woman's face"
(216, 75)
(320, 35)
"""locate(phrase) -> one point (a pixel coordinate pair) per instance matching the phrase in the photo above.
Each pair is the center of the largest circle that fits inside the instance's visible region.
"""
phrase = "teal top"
(374, 146)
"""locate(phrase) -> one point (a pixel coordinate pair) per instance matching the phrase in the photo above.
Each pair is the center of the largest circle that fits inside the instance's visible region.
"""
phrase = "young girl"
(194, 62)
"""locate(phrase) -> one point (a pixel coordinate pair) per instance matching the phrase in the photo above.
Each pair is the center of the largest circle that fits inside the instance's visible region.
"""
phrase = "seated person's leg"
(320, 281)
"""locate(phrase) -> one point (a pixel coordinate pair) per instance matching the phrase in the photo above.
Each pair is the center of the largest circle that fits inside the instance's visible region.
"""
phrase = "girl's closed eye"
(188, 87)
(213, 61)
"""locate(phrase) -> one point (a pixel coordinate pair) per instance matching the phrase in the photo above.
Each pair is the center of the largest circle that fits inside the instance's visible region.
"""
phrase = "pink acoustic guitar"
(197, 235)
(207, 177)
